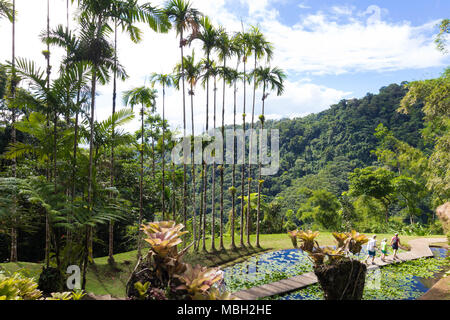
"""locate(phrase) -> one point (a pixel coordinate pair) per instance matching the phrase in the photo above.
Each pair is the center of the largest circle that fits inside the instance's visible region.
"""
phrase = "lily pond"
(404, 281)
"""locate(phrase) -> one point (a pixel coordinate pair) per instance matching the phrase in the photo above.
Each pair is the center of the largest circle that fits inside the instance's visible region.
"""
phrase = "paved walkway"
(440, 291)
(419, 249)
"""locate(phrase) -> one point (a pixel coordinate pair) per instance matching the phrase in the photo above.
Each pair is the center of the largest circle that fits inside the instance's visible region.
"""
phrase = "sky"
(330, 50)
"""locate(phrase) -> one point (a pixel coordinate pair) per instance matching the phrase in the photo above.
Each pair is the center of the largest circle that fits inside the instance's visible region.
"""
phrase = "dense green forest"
(318, 152)
(77, 188)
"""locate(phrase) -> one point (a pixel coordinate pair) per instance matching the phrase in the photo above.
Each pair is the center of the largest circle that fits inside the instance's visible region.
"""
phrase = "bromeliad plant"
(16, 286)
(162, 274)
(340, 276)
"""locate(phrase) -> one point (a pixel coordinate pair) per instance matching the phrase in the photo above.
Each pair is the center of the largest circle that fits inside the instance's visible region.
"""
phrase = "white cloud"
(338, 41)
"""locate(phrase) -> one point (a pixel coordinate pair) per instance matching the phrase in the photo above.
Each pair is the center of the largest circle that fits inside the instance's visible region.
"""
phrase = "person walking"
(371, 246)
(395, 243)
(383, 246)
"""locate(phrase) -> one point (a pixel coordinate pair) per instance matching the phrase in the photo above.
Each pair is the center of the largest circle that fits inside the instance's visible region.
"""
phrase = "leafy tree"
(410, 193)
(434, 94)
(322, 207)
(444, 30)
(6, 10)
(373, 182)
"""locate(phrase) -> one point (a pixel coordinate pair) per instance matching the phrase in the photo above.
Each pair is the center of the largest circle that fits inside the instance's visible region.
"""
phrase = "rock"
(91, 296)
(443, 213)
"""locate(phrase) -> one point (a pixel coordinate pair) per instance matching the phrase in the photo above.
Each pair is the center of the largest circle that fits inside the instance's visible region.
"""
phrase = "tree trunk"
(163, 160)
(91, 153)
(249, 160)
(194, 204)
(259, 170)
(141, 177)
(47, 220)
(233, 182)
(112, 173)
(243, 167)
(213, 191)
(205, 172)
(184, 133)
(221, 246)
(13, 255)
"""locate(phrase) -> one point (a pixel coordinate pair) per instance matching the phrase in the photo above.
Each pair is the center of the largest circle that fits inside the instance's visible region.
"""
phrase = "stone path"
(419, 249)
(440, 291)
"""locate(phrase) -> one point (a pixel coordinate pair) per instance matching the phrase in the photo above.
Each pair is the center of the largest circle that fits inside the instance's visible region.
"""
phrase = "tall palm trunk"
(141, 177)
(152, 133)
(184, 132)
(213, 191)
(112, 172)
(89, 231)
(204, 170)
(91, 156)
(174, 189)
(259, 172)
(47, 222)
(243, 165)
(74, 163)
(221, 246)
(249, 159)
(13, 255)
(163, 160)
(194, 215)
(233, 182)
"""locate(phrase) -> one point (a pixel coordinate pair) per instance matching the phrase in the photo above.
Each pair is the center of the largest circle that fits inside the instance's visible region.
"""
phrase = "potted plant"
(341, 276)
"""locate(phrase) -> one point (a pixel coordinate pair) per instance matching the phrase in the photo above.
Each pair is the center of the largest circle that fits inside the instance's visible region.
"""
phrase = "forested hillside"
(319, 150)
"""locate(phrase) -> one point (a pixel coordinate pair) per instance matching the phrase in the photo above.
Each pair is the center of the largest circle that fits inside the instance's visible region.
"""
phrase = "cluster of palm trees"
(223, 46)
(68, 103)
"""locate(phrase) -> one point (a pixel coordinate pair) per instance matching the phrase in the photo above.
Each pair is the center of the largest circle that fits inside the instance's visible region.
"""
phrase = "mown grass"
(103, 278)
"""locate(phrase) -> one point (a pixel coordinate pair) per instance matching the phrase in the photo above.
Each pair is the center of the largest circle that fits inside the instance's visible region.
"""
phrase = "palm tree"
(74, 47)
(242, 41)
(192, 72)
(146, 97)
(13, 257)
(212, 71)
(271, 79)
(6, 9)
(158, 22)
(184, 18)
(40, 95)
(232, 76)
(208, 36)
(93, 48)
(223, 48)
(260, 48)
(166, 80)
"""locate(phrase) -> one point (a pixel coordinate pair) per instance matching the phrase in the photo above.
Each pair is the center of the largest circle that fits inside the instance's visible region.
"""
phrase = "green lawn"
(103, 279)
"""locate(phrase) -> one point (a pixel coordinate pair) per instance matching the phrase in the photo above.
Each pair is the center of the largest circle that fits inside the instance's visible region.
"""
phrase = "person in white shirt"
(371, 246)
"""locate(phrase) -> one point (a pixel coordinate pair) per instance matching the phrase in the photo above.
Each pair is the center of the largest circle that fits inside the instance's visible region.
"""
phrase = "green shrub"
(50, 280)
(18, 287)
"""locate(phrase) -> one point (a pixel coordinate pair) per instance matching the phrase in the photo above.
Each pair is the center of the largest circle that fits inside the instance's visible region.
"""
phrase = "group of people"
(372, 246)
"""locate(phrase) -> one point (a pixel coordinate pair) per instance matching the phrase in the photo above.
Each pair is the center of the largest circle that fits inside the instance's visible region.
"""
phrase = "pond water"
(406, 281)
(277, 265)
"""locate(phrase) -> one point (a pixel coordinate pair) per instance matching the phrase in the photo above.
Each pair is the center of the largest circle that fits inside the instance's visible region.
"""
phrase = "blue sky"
(414, 12)
(331, 50)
